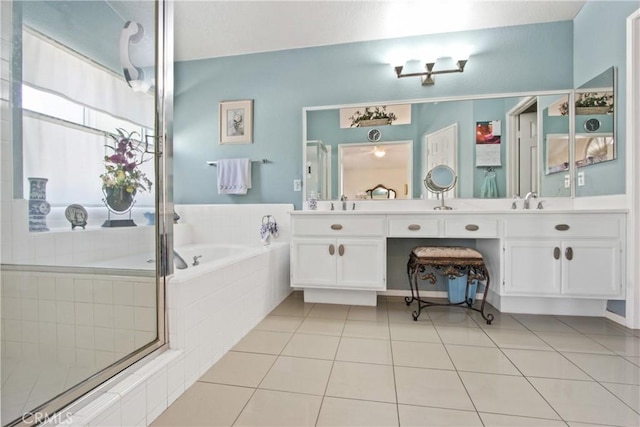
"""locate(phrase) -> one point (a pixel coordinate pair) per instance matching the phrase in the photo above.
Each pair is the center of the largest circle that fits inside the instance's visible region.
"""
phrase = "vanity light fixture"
(427, 76)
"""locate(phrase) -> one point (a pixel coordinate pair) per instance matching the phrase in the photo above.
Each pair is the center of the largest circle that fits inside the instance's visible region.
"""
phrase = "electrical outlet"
(297, 185)
(567, 181)
(580, 179)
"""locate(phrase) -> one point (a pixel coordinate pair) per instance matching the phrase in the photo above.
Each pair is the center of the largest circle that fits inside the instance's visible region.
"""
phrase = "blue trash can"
(457, 288)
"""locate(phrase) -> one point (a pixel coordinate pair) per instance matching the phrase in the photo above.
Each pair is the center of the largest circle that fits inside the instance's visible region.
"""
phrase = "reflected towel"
(234, 176)
(489, 189)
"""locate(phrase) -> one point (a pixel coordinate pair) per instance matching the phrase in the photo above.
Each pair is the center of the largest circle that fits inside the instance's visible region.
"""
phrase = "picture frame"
(235, 122)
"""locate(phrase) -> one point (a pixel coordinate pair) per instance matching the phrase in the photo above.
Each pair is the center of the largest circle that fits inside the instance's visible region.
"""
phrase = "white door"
(532, 267)
(313, 262)
(439, 148)
(361, 263)
(528, 153)
(591, 268)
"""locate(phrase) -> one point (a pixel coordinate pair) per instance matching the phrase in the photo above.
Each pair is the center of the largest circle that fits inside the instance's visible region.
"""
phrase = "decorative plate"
(77, 215)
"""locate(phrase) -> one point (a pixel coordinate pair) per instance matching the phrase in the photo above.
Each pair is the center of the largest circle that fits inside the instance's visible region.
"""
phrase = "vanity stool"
(449, 261)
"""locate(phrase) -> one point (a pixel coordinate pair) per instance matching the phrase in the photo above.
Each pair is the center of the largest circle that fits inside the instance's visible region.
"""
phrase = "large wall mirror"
(534, 148)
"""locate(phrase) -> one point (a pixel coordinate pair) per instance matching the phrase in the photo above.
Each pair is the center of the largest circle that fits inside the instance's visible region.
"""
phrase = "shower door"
(84, 118)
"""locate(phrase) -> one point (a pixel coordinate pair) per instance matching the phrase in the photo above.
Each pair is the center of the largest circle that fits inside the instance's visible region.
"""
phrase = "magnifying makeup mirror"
(439, 180)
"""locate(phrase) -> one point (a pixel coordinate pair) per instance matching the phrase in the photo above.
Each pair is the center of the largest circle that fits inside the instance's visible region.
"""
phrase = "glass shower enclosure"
(86, 115)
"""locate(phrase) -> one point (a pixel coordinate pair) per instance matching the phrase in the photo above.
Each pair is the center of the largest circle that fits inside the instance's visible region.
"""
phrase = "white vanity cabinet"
(336, 258)
(574, 256)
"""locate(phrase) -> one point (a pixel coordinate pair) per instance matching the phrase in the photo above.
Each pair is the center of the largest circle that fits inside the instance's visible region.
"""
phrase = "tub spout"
(179, 261)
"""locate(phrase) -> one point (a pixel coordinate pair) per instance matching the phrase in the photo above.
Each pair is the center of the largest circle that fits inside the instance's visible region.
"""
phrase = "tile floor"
(337, 365)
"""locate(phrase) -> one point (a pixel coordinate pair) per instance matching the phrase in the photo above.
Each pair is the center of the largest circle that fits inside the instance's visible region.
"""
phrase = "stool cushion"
(446, 252)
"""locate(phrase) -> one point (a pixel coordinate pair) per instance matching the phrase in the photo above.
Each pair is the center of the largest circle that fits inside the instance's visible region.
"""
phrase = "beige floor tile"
(329, 311)
(607, 368)
(312, 346)
(586, 402)
(364, 350)
(538, 323)
(454, 317)
(498, 420)
(622, 345)
(414, 331)
(370, 314)
(403, 315)
(431, 387)
(500, 320)
(420, 355)
(506, 338)
(480, 359)
(464, 336)
(268, 342)
(594, 325)
(242, 369)
(546, 364)
(298, 375)
(362, 329)
(509, 395)
(422, 416)
(205, 404)
(629, 394)
(574, 342)
(321, 326)
(279, 323)
(634, 360)
(276, 408)
(348, 412)
(362, 381)
(292, 308)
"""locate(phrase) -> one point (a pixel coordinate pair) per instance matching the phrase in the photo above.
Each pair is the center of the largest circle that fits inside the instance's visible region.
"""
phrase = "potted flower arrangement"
(123, 178)
(590, 103)
(377, 116)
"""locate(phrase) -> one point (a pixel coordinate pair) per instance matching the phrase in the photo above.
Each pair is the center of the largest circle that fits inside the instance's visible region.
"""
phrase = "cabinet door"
(312, 262)
(361, 263)
(594, 268)
(532, 267)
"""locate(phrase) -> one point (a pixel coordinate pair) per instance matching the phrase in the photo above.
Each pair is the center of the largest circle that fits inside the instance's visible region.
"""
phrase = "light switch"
(297, 185)
(567, 181)
(580, 179)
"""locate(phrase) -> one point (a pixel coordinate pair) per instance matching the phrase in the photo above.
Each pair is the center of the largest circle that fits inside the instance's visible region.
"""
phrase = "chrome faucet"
(530, 195)
(179, 261)
(343, 199)
(514, 205)
(195, 260)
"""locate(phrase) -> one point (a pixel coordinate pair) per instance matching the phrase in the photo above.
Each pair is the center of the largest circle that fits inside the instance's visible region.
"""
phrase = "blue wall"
(509, 59)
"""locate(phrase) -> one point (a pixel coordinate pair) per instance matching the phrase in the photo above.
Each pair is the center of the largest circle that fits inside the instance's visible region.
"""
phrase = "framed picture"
(236, 122)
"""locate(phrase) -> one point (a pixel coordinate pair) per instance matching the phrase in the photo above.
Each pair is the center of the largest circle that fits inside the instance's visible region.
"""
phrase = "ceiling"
(209, 29)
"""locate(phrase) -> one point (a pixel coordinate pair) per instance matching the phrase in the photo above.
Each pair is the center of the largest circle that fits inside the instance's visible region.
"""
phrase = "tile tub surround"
(416, 373)
(207, 314)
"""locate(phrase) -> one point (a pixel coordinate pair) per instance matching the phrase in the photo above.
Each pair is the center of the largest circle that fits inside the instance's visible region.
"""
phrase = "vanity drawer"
(471, 227)
(339, 226)
(564, 226)
(413, 227)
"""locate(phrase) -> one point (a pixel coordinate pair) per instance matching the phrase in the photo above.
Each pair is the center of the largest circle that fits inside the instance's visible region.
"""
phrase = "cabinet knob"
(332, 249)
(568, 253)
(562, 227)
(336, 226)
(471, 227)
(341, 250)
(556, 252)
(414, 227)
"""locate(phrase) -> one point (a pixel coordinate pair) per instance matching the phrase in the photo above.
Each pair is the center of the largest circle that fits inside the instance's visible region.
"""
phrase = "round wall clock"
(591, 125)
(76, 215)
(374, 135)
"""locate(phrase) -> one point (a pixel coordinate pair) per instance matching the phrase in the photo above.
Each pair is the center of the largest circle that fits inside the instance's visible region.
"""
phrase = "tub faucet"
(343, 199)
(530, 195)
(195, 260)
(179, 261)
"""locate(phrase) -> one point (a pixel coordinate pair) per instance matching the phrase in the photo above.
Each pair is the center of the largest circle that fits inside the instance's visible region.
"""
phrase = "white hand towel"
(234, 176)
